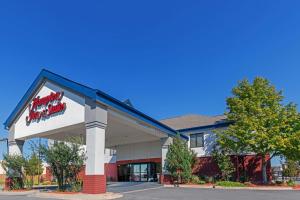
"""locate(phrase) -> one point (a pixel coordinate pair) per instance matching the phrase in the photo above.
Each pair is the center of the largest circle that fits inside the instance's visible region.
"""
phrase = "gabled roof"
(193, 121)
(94, 94)
(128, 102)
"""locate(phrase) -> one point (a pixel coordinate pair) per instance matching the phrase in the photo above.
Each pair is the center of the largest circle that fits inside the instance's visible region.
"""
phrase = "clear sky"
(168, 57)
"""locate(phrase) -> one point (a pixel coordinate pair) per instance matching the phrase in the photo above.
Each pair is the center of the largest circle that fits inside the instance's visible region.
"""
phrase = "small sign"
(45, 107)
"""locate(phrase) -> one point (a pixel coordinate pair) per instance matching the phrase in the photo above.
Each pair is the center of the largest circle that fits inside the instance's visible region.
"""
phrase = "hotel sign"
(45, 107)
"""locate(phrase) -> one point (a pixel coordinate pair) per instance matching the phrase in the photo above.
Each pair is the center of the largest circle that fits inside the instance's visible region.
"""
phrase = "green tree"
(33, 167)
(65, 160)
(13, 166)
(262, 124)
(222, 158)
(180, 160)
(233, 148)
(292, 150)
(292, 169)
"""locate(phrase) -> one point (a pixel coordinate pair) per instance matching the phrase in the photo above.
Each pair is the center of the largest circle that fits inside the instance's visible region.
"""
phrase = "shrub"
(65, 160)
(291, 183)
(292, 169)
(222, 158)
(13, 167)
(196, 180)
(230, 184)
(76, 186)
(33, 167)
(209, 179)
(278, 182)
(180, 161)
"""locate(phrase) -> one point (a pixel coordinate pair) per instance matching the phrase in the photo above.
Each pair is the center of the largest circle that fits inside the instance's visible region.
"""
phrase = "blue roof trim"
(89, 92)
(219, 125)
(103, 97)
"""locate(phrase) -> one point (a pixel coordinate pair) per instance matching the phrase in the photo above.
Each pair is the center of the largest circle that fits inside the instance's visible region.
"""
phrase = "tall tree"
(222, 158)
(180, 160)
(291, 169)
(262, 124)
(292, 150)
(33, 167)
(13, 166)
(65, 160)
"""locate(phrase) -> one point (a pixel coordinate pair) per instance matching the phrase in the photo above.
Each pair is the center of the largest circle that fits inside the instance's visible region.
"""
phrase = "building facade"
(122, 143)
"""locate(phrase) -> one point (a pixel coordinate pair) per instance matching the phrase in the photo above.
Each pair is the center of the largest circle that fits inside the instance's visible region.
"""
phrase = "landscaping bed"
(237, 185)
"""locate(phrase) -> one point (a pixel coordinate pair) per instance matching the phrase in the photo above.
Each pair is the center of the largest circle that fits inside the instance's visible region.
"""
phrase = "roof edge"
(218, 125)
(86, 91)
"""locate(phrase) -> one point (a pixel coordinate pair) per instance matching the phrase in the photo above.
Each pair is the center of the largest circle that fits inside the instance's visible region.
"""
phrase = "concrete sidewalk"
(76, 196)
(15, 193)
(67, 196)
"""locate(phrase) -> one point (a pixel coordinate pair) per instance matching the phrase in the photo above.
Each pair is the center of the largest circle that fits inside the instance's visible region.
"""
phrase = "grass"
(230, 184)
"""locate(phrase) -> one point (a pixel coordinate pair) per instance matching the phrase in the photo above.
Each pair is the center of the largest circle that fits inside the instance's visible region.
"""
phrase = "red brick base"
(94, 184)
(166, 179)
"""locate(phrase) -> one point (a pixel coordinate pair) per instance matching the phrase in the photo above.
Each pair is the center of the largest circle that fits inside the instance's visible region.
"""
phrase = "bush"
(278, 182)
(76, 186)
(291, 183)
(209, 179)
(196, 180)
(65, 160)
(13, 167)
(230, 184)
(222, 158)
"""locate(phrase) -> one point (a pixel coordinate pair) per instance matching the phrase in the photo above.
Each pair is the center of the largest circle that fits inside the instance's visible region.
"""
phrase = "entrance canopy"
(55, 107)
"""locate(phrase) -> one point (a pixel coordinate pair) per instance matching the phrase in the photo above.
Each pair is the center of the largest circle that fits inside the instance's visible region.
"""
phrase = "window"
(197, 140)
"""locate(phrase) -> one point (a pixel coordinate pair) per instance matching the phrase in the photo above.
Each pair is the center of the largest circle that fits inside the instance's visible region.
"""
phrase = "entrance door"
(135, 173)
(144, 172)
(138, 172)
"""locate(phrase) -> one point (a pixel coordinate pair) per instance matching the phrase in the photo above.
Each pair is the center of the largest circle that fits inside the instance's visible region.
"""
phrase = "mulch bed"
(297, 187)
(266, 185)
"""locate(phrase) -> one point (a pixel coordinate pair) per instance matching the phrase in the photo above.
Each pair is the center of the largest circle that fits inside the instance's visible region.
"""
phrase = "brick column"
(94, 181)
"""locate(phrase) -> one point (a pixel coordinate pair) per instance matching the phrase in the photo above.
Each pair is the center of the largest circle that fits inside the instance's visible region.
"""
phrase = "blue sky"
(169, 57)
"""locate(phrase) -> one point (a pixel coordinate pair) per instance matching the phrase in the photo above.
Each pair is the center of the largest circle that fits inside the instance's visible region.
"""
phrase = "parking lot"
(152, 192)
(210, 194)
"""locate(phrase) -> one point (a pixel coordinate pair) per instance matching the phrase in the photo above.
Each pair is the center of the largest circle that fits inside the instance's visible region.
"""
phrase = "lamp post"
(5, 139)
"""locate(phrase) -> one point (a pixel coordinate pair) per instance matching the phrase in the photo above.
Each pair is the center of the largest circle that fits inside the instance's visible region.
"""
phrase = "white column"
(95, 147)
(15, 147)
(94, 181)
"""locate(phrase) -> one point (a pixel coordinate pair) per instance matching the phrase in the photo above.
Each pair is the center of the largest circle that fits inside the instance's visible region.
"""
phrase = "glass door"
(137, 172)
(144, 172)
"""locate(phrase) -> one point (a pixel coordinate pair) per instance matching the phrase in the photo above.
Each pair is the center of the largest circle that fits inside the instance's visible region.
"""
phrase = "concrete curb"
(190, 186)
(77, 196)
(14, 193)
(256, 188)
(233, 188)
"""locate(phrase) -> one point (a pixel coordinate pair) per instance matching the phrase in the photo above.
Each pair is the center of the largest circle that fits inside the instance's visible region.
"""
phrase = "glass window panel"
(144, 168)
(193, 141)
(200, 141)
(196, 140)
(136, 168)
